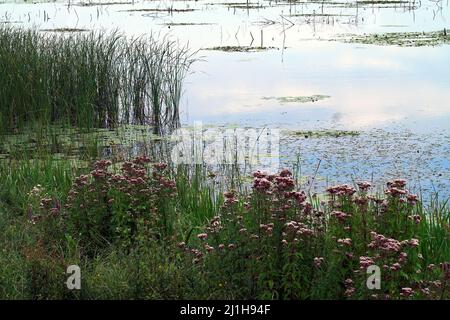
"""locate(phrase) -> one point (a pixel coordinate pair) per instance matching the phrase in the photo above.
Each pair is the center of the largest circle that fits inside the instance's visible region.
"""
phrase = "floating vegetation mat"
(323, 133)
(106, 3)
(297, 99)
(88, 79)
(240, 49)
(75, 143)
(403, 39)
(245, 6)
(239, 5)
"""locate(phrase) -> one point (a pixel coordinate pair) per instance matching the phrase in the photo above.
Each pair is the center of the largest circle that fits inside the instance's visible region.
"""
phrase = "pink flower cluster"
(81, 180)
(341, 190)
(102, 164)
(160, 166)
(101, 169)
(267, 228)
(416, 218)
(395, 267)
(340, 216)
(214, 226)
(445, 267)
(406, 292)
(141, 160)
(262, 181)
(397, 183)
(298, 229)
(383, 243)
(395, 192)
(202, 236)
(230, 197)
(284, 182)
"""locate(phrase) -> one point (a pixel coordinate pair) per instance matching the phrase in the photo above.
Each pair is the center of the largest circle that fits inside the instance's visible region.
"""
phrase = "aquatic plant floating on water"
(402, 39)
(298, 99)
(240, 49)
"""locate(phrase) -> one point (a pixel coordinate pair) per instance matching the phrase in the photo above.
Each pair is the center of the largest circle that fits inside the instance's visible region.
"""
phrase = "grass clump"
(65, 30)
(88, 79)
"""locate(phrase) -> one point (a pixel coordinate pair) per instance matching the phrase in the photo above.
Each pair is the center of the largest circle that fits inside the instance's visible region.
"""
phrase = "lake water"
(396, 98)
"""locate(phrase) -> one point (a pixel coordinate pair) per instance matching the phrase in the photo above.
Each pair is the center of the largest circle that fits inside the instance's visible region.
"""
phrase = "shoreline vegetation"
(140, 229)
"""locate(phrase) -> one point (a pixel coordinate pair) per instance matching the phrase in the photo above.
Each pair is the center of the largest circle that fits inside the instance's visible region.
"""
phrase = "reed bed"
(89, 80)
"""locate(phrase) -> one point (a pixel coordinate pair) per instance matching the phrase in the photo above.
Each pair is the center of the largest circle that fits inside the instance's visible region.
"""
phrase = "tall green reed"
(89, 80)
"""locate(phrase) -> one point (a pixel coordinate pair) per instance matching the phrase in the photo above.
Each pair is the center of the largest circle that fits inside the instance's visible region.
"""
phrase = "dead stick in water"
(262, 38)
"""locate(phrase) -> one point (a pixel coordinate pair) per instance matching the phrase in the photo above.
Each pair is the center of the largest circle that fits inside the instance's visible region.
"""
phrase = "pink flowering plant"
(354, 220)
